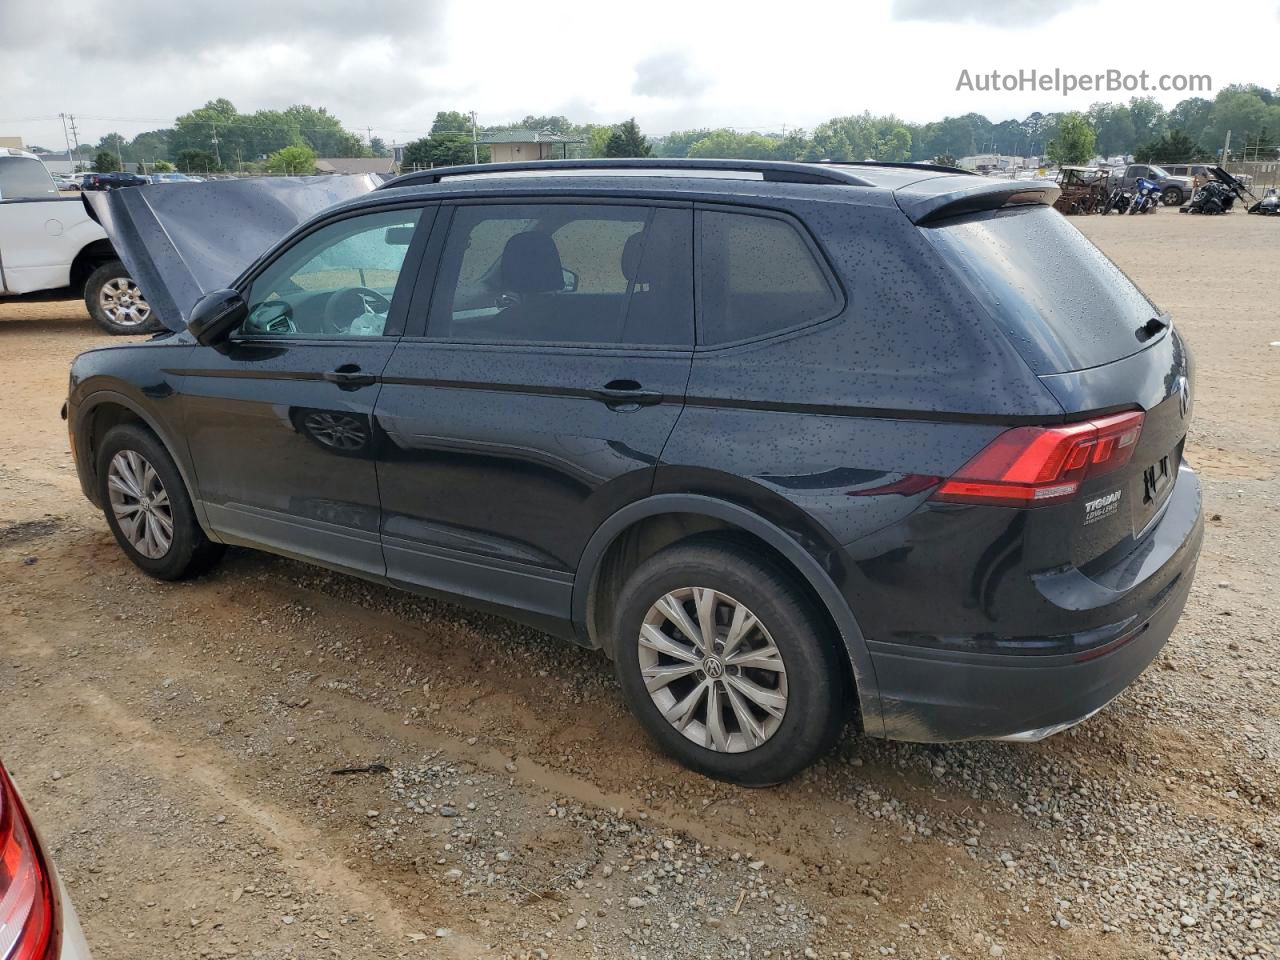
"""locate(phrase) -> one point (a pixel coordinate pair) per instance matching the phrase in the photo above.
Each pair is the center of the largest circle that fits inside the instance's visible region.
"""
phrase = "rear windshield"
(23, 178)
(1064, 304)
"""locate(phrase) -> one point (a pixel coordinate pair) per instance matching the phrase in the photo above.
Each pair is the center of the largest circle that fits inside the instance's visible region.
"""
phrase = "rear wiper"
(1151, 328)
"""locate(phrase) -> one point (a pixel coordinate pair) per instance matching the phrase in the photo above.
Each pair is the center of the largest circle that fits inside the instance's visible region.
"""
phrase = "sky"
(387, 66)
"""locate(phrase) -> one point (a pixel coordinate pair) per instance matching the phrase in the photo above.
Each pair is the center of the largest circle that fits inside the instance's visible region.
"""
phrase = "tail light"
(29, 923)
(1031, 466)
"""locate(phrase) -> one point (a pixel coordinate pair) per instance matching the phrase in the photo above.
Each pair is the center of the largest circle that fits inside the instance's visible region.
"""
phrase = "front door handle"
(349, 377)
(617, 393)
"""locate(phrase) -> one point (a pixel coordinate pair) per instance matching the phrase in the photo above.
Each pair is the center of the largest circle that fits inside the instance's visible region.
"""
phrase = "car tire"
(811, 682)
(148, 508)
(116, 304)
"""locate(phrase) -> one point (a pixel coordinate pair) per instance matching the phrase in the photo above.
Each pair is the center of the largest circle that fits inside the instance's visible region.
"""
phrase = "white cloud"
(391, 64)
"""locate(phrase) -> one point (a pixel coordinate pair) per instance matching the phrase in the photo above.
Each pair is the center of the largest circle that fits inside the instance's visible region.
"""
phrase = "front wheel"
(115, 302)
(1171, 197)
(727, 664)
(147, 506)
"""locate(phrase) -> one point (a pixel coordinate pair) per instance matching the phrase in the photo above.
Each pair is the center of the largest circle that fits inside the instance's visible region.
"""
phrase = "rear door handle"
(349, 376)
(621, 392)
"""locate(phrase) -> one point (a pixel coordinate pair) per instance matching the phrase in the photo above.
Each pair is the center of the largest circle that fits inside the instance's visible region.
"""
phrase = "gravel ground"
(280, 762)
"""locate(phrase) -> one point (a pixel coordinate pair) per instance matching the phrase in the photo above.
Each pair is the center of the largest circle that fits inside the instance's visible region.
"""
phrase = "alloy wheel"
(713, 670)
(140, 504)
(123, 303)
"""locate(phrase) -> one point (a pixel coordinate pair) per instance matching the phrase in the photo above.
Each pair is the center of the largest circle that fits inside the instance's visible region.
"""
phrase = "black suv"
(789, 442)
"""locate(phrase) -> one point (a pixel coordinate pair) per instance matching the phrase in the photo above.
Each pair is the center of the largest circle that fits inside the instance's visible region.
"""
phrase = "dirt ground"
(179, 743)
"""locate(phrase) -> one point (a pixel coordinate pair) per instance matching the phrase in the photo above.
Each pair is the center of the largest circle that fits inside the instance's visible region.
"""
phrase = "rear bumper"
(936, 695)
(74, 946)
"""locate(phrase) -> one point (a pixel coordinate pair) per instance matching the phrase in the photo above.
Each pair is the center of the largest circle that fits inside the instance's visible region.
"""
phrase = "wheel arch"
(91, 256)
(103, 409)
(715, 514)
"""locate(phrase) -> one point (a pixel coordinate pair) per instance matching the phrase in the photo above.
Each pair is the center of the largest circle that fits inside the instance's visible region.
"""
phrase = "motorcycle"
(1146, 199)
(1269, 205)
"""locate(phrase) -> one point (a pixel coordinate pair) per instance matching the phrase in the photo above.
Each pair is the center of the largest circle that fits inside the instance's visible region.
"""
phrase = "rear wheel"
(1171, 197)
(727, 664)
(115, 302)
(147, 506)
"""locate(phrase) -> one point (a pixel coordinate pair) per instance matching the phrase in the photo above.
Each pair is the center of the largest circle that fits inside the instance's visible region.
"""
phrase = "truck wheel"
(116, 303)
(1172, 197)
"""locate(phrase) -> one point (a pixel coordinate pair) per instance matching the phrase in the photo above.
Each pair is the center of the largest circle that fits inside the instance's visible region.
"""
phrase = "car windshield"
(1158, 171)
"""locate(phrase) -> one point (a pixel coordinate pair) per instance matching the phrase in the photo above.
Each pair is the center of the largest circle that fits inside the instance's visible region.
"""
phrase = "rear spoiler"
(927, 201)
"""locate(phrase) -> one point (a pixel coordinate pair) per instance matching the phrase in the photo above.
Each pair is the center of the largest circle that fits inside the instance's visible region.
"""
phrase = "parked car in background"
(66, 183)
(112, 181)
(913, 452)
(1173, 189)
(48, 242)
(37, 920)
(171, 178)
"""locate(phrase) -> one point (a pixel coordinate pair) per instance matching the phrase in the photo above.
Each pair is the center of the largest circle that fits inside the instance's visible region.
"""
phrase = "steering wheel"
(344, 306)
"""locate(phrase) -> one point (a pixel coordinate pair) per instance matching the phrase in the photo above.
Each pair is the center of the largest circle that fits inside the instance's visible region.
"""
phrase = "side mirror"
(398, 236)
(570, 280)
(215, 315)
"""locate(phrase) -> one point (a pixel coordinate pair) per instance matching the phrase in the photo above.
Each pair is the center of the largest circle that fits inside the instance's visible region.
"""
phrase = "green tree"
(1113, 128)
(1150, 122)
(678, 142)
(378, 147)
(106, 162)
(627, 141)
(452, 121)
(196, 161)
(1074, 143)
(162, 166)
(149, 146)
(1177, 147)
(323, 132)
(295, 161)
(441, 150)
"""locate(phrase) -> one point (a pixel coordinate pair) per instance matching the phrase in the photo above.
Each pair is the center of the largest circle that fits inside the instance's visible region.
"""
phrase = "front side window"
(566, 273)
(757, 276)
(335, 282)
(22, 178)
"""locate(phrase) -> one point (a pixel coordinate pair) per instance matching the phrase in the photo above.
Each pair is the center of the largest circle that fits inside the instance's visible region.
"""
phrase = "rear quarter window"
(757, 276)
(1061, 301)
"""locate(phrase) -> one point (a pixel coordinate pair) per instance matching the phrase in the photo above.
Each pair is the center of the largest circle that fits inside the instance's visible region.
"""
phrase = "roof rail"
(907, 164)
(778, 171)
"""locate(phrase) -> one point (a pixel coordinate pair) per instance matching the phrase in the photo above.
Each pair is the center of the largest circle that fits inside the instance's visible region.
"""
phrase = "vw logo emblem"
(713, 668)
(1184, 395)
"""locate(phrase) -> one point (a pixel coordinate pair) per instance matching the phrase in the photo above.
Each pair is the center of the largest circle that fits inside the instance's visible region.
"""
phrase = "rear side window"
(1062, 302)
(22, 178)
(566, 273)
(757, 276)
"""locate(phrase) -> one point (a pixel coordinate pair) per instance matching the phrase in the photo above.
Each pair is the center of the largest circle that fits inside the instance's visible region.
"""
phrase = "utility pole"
(217, 155)
(1226, 147)
(475, 144)
(67, 137)
(75, 137)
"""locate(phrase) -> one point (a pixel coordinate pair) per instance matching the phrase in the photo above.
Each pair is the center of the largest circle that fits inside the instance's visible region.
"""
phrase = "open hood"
(181, 240)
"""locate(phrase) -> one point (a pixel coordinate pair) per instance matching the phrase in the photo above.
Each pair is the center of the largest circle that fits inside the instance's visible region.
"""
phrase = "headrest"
(632, 251)
(531, 264)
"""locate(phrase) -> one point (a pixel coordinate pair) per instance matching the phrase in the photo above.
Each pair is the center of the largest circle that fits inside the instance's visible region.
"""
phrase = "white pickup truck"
(49, 242)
